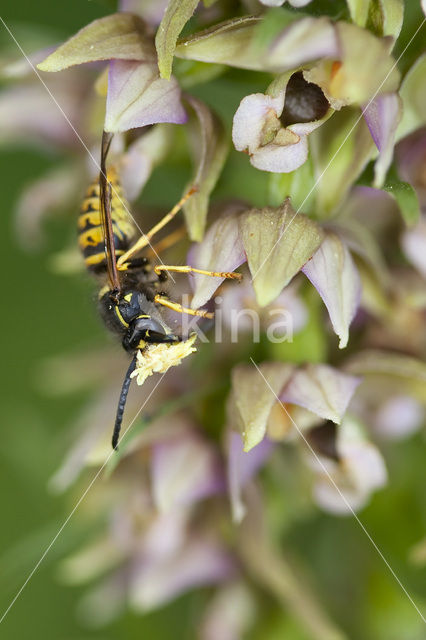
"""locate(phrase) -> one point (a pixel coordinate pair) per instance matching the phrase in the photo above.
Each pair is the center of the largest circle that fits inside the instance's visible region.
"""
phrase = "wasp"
(131, 299)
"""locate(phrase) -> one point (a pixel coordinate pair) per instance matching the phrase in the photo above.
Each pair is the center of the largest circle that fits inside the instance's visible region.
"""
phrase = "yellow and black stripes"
(91, 237)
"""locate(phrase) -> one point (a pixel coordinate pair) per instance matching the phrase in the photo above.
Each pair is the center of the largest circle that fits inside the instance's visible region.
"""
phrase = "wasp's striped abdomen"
(90, 230)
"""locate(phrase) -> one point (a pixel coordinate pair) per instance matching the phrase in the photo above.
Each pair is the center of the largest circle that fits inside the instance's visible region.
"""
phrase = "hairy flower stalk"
(313, 366)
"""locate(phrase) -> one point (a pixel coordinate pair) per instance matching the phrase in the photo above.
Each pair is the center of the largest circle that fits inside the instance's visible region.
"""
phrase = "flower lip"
(324, 440)
(304, 101)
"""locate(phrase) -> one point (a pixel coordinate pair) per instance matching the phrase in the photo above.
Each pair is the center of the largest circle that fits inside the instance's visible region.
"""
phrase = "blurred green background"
(45, 315)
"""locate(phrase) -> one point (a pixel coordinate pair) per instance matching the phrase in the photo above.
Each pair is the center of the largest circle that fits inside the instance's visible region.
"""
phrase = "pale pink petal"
(200, 562)
(138, 97)
(43, 122)
(250, 117)
(302, 41)
(136, 164)
(105, 602)
(399, 417)
(229, 614)
(166, 535)
(382, 116)
(183, 471)
(281, 159)
(241, 467)
(410, 155)
(321, 389)
(220, 250)
(414, 246)
(360, 471)
(335, 276)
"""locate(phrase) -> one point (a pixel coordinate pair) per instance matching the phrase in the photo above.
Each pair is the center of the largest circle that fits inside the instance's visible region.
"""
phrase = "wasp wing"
(105, 209)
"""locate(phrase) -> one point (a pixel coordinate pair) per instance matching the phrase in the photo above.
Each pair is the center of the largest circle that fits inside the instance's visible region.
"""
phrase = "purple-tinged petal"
(333, 273)
(120, 36)
(221, 250)
(398, 418)
(322, 390)
(278, 242)
(242, 466)
(150, 10)
(54, 191)
(200, 562)
(229, 614)
(414, 246)
(176, 15)
(138, 97)
(184, 471)
(43, 122)
(410, 155)
(250, 117)
(250, 411)
(382, 116)
(210, 147)
(165, 535)
(135, 168)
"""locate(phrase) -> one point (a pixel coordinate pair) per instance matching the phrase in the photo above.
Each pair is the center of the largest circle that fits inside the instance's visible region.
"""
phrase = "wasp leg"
(187, 269)
(146, 238)
(178, 307)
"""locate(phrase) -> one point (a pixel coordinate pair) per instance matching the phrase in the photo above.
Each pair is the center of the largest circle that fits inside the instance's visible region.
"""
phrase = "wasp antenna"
(122, 403)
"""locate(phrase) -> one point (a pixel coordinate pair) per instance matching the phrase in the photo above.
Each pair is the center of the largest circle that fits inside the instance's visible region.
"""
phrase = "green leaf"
(210, 145)
(351, 82)
(278, 242)
(406, 199)
(385, 17)
(298, 185)
(413, 94)
(359, 11)
(273, 22)
(176, 16)
(227, 43)
(253, 397)
(120, 36)
(191, 72)
(340, 149)
(391, 372)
